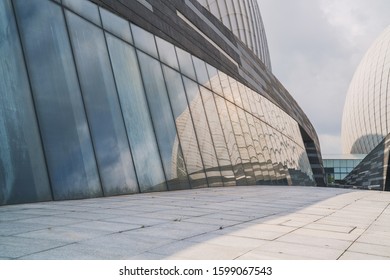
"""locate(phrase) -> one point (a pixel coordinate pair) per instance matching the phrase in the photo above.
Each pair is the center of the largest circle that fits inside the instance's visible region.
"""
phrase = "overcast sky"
(315, 47)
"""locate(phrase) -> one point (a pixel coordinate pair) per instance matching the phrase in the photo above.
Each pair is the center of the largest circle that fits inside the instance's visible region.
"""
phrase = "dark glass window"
(144, 40)
(84, 8)
(203, 133)
(164, 125)
(23, 175)
(60, 110)
(116, 25)
(185, 128)
(136, 114)
(102, 106)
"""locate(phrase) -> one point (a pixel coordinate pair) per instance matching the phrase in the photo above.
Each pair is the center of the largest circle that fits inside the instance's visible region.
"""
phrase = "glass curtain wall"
(135, 115)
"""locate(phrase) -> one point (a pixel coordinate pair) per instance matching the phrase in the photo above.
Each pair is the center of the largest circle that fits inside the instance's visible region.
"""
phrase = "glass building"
(337, 167)
(99, 99)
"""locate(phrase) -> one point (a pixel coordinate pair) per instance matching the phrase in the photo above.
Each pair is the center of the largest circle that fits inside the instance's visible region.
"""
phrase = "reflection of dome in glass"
(366, 118)
(243, 18)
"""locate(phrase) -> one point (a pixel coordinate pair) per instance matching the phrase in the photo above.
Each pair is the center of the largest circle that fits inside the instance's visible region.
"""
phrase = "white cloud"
(315, 47)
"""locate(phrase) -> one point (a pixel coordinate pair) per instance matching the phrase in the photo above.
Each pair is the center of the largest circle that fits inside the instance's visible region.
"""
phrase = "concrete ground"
(259, 222)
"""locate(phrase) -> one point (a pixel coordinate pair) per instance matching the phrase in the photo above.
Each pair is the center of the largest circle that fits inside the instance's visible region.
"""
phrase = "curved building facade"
(366, 117)
(101, 98)
(243, 18)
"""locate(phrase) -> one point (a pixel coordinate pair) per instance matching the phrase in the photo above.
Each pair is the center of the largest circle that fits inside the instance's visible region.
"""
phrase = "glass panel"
(23, 175)
(262, 152)
(167, 53)
(201, 72)
(164, 125)
(214, 82)
(230, 140)
(116, 25)
(102, 107)
(137, 119)
(253, 142)
(203, 133)
(60, 110)
(227, 91)
(144, 40)
(85, 9)
(218, 138)
(185, 62)
(242, 147)
(185, 128)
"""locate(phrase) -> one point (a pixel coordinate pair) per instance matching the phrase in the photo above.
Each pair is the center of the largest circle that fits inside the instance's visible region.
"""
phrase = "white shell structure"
(243, 18)
(366, 116)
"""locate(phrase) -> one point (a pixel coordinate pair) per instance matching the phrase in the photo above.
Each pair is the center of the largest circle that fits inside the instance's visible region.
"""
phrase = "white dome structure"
(366, 116)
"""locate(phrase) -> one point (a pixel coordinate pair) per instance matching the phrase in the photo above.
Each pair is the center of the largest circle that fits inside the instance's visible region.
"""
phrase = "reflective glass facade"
(93, 105)
(243, 18)
(366, 117)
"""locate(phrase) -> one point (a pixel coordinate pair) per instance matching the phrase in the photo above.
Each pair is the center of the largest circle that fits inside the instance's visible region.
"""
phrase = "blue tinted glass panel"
(206, 144)
(102, 106)
(185, 128)
(163, 121)
(167, 53)
(201, 72)
(136, 114)
(144, 40)
(84, 8)
(116, 25)
(185, 63)
(23, 175)
(60, 110)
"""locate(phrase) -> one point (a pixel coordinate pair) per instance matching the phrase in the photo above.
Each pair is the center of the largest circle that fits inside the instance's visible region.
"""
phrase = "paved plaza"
(258, 222)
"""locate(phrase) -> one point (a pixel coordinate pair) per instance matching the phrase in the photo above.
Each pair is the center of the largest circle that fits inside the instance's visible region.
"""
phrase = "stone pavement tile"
(361, 256)
(164, 216)
(136, 220)
(45, 211)
(380, 228)
(316, 211)
(117, 212)
(344, 222)
(8, 216)
(211, 221)
(255, 232)
(52, 221)
(315, 241)
(88, 216)
(372, 249)
(106, 226)
(147, 256)
(64, 233)
(102, 249)
(328, 234)
(260, 255)
(227, 240)
(199, 251)
(319, 226)
(375, 237)
(175, 230)
(129, 242)
(304, 251)
(15, 247)
(188, 212)
(16, 227)
(232, 216)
